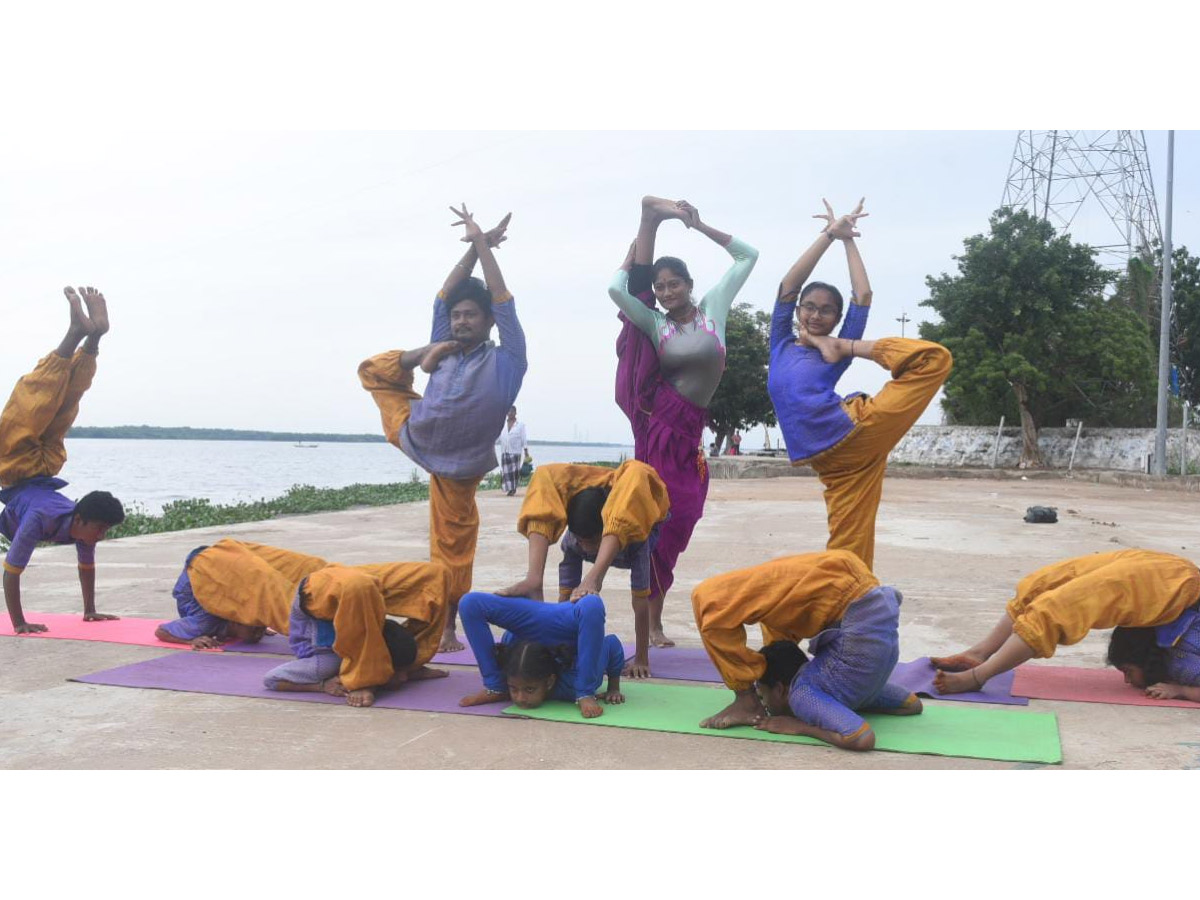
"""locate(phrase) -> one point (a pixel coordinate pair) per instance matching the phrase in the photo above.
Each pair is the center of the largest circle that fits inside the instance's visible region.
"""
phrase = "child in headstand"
(369, 652)
(1059, 604)
(853, 620)
(33, 427)
(549, 652)
(845, 441)
(611, 518)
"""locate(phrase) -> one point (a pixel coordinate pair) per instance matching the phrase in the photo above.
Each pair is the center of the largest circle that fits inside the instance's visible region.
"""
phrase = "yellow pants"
(637, 502)
(251, 584)
(795, 596)
(391, 388)
(38, 415)
(357, 600)
(453, 515)
(852, 471)
(1059, 604)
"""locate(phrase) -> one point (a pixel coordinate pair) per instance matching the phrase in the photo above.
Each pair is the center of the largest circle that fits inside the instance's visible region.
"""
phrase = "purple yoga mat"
(917, 676)
(242, 676)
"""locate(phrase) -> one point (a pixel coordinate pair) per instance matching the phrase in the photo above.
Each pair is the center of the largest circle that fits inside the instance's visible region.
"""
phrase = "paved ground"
(954, 547)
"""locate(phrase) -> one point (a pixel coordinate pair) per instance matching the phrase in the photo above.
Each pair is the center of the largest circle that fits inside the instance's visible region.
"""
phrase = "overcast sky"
(249, 274)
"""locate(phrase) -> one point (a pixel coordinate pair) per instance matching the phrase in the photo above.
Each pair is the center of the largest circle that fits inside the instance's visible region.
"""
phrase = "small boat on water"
(304, 445)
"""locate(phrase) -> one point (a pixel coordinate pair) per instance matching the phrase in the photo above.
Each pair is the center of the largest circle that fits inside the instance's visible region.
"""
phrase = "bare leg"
(81, 326)
(980, 652)
(1013, 652)
(450, 642)
(746, 709)
(531, 585)
(639, 666)
(657, 637)
(98, 314)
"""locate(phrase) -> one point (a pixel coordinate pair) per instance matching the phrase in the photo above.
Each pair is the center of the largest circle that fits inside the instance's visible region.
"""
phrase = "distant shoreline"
(187, 433)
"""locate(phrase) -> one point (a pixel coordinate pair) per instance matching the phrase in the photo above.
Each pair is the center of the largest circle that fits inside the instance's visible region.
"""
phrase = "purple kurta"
(667, 431)
(34, 511)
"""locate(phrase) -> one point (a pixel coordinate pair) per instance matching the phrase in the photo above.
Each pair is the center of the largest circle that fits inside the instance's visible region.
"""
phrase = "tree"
(741, 400)
(1034, 336)
(1140, 290)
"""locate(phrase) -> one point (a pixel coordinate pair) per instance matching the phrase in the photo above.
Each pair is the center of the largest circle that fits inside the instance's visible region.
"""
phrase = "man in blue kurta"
(451, 432)
(33, 426)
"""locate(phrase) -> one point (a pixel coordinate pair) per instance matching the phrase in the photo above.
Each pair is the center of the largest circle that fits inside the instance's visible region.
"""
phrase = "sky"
(248, 273)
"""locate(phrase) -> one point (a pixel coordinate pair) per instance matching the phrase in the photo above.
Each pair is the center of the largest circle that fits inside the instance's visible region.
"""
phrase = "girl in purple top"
(668, 368)
(846, 441)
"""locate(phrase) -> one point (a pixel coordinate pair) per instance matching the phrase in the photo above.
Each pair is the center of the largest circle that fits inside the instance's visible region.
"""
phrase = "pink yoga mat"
(1084, 686)
(73, 628)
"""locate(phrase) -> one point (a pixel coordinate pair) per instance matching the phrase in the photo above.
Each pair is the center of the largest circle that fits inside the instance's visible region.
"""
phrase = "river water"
(150, 473)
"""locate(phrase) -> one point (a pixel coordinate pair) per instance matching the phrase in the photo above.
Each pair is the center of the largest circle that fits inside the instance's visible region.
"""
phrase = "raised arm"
(844, 230)
(479, 241)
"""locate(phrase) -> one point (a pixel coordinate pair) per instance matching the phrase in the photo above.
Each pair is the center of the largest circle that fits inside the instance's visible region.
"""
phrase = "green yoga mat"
(940, 730)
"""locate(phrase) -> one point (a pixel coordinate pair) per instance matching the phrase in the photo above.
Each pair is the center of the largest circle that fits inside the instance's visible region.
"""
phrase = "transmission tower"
(1094, 185)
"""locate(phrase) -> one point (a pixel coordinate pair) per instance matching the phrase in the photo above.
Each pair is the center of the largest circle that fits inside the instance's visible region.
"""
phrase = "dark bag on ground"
(1042, 515)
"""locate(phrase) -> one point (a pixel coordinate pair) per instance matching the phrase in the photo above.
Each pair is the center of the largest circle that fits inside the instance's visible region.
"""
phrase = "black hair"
(784, 659)
(584, 512)
(400, 643)
(822, 286)
(100, 506)
(676, 265)
(528, 659)
(1138, 647)
(470, 289)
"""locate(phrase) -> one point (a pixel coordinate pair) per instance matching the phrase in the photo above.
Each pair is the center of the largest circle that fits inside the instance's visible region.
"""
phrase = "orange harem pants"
(251, 584)
(358, 599)
(453, 515)
(795, 597)
(40, 411)
(1059, 604)
(637, 500)
(852, 470)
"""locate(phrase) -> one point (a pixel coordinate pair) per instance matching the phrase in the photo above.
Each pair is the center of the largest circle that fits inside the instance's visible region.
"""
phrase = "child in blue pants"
(553, 651)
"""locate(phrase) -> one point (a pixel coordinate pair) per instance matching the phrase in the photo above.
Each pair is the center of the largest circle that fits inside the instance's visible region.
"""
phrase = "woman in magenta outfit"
(668, 367)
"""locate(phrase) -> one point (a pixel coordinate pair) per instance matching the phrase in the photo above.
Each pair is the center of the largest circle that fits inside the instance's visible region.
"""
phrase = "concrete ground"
(954, 547)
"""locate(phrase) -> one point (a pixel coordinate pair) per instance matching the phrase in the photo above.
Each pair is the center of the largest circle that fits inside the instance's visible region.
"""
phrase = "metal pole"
(1164, 328)
(996, 448)
(1078, 428)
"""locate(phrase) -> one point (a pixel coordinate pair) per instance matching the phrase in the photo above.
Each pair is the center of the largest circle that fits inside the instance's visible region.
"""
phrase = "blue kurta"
(452, 429)
(802, 384)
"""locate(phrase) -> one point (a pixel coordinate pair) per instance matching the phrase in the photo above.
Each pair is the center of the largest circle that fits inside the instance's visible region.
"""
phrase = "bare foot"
(450, 642)
(636, 668)
(613, 697)
(661, 208)
(360, 697)
(30, 628)
(527, 588)
(81, 326)
(436, 353)
(957, 682)
(589, 707)
(425, 673)
(959, 662)
(744, 710)
(485, 696)
(99, 617)
(658, 639)
(97, 310)
(334, 687)
(830, 348)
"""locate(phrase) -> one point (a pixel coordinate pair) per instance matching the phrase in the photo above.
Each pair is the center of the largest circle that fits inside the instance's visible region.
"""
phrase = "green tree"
(1140, 290)
(741, 400)
(1033, 335)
